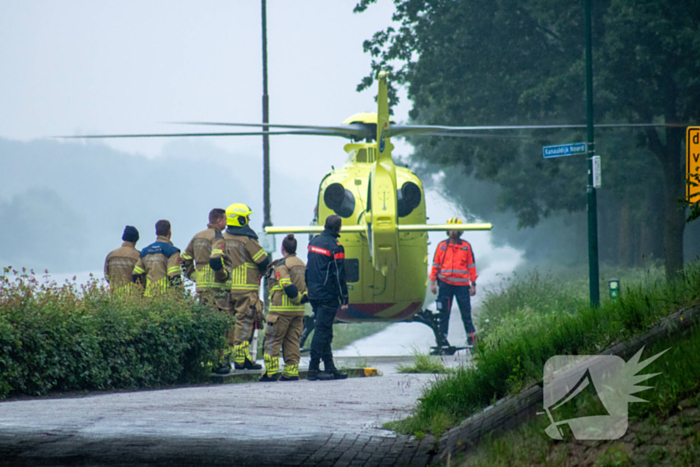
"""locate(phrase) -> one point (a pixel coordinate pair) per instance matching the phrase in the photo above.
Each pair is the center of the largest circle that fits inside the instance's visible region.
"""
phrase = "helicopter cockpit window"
(363, 155)
(352, 270)
(339, 199)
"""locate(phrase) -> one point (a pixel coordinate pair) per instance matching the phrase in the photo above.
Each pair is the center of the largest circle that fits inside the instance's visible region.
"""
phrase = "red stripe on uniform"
(339, 256)
(320, 251)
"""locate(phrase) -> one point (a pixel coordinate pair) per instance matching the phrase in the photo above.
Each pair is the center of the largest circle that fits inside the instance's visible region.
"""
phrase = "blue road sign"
(564, 150)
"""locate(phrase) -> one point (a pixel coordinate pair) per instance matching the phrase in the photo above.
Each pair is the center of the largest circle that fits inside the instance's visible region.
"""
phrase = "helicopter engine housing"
(339, 199)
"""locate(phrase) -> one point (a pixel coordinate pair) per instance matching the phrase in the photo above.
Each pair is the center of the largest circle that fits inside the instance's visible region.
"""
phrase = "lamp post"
(593, 278)
(267, 221)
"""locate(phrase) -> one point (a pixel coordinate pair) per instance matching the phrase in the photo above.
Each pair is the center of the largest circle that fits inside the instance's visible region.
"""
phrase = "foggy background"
(79, 67)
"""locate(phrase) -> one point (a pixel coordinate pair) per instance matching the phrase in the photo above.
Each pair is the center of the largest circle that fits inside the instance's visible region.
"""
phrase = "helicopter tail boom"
(315, 229)
(441, 227)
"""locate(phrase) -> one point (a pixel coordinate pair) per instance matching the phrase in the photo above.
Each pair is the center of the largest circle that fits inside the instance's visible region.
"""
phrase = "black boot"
(265, 378)
(223, 368)
(247, 365)
(335, 373)
(315, 374)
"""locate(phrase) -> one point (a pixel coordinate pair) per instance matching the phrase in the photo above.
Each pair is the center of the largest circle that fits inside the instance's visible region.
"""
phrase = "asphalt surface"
(294, 423)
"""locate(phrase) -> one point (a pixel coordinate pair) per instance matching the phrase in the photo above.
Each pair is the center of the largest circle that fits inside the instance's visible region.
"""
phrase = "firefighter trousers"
(446, 295)
(244, 305)
(219, 298)
(283, 330)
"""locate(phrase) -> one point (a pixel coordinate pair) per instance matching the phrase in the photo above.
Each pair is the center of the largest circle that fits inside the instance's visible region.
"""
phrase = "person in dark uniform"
(325, 281)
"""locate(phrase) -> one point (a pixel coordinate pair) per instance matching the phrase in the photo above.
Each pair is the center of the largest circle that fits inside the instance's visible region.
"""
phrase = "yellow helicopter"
(384, 229)
(383, 210)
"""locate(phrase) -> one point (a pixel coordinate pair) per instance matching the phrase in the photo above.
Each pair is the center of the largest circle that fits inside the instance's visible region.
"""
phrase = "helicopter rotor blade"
(251, 133)
(465, 135)
(355, 130)
(438, 130)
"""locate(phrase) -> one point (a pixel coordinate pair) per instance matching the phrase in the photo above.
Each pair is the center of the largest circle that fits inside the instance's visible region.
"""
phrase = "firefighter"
(205, 262)
(325, 279)
(248, 262)
(120, 263)
(159, 262)
(454, 271)
(285, 319)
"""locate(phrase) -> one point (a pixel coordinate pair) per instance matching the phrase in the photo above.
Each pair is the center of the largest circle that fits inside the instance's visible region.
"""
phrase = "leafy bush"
(73, 337)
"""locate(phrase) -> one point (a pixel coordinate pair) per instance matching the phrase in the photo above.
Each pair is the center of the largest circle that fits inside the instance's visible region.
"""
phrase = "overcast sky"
(76, 67)
(122, 66)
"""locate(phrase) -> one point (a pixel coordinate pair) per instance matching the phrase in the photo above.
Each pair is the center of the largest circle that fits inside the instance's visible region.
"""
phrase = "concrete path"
(297, 423)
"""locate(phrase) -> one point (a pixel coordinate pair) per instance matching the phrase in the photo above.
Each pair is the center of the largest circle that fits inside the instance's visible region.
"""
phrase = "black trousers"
(446, 294)
(323, 333)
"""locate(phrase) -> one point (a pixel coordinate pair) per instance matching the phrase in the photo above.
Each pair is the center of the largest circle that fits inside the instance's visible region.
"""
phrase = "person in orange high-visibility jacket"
(454, 271)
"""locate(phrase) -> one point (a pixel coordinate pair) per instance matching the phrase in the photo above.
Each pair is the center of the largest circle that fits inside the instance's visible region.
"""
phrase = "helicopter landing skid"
(432, 320)
(427, 317)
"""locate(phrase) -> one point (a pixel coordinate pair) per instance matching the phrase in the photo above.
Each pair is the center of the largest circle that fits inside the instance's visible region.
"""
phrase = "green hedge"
(74, 337)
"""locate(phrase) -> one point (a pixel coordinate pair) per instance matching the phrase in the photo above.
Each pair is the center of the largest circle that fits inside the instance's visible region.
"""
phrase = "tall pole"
(594, 285)
(267, 221)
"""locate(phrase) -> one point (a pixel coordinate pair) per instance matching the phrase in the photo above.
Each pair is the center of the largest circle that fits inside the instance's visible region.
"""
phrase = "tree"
(474, 62)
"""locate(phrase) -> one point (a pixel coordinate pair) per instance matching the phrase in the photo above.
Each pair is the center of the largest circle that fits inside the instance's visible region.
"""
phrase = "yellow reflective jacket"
(246, 254)
(204, 250)
(160, 262)
(287, 286)
(119, 266)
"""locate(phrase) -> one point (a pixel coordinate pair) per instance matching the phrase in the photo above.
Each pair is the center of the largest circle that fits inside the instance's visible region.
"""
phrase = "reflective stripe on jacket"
(454, 263)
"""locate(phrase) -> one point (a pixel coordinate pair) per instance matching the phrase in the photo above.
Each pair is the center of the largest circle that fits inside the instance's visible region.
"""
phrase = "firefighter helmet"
(237, 214)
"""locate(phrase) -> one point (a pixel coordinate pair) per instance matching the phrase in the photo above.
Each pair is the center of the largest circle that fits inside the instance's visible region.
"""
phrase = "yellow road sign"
(692, 163)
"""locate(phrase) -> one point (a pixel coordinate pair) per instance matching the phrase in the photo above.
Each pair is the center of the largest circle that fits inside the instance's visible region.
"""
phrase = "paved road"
(300, 423)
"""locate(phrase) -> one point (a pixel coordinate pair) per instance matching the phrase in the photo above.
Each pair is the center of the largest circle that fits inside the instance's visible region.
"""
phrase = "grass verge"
(665, 430)
(506, 364)
(424, 363)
